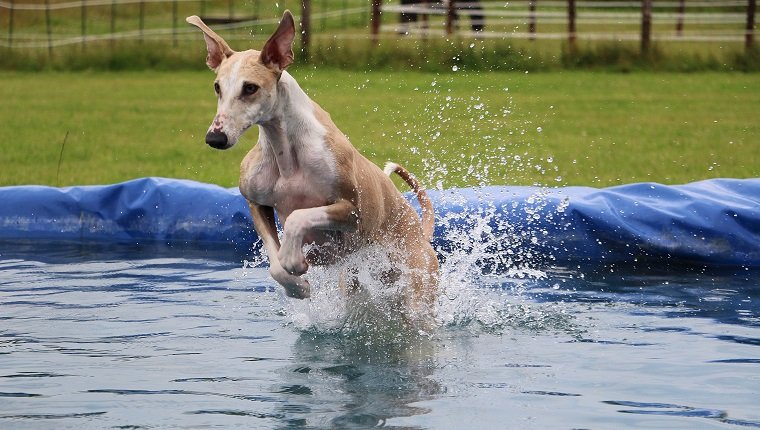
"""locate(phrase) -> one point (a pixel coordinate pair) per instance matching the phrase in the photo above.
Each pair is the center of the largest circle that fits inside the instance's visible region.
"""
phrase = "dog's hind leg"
(422, 291)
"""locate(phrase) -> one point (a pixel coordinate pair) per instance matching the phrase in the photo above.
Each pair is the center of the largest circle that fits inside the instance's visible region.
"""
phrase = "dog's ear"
(277, 53)
(217, 48)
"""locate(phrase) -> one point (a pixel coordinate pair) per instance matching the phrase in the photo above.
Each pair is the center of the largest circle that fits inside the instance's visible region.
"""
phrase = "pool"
(133, 306)
(114, 336)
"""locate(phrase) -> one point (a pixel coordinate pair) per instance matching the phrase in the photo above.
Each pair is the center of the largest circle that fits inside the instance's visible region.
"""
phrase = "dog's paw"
(293, 262)
(295, 286)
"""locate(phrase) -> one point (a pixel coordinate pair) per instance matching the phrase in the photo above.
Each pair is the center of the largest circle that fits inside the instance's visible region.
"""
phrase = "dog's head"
(246, 82)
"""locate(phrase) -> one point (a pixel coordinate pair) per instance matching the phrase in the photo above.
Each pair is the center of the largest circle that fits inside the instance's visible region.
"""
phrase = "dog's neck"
(292, 128)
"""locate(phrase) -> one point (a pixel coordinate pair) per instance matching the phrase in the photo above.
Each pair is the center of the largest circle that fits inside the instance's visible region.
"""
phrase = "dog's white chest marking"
(295, 168)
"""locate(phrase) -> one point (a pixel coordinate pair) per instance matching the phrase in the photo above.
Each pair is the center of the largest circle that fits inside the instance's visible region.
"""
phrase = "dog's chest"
(310, 184)
(300, 191)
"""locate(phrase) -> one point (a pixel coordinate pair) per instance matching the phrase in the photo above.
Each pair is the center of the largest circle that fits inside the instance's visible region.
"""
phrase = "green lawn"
(454, 129)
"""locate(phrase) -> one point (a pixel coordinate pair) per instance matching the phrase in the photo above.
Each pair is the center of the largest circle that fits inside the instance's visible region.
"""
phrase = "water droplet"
(454, 68)
(539, 129)
(472, 45)
(434, 83)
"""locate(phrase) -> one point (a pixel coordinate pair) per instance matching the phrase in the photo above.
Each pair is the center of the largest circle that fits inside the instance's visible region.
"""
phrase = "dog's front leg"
(340, 216)
(264, 223)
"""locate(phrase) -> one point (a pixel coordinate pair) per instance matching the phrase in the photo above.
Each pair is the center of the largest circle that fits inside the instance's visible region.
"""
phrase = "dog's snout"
(216, 139)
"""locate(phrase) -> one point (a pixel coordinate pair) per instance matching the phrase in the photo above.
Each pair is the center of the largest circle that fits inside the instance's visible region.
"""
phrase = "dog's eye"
(217, 88)
(249, 89)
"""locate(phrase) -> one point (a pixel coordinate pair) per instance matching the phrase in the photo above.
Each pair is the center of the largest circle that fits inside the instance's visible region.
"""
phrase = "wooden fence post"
(532, 19)
(142, 21)
(425, 17)
(679, 17)
(646, 25)
(375, 24)
(113, 22)
(83, 17)
(451, 15)
(174, 23)
(749, 36)
(10, 23)
(571, 36)
(305, 28)
(48, 26)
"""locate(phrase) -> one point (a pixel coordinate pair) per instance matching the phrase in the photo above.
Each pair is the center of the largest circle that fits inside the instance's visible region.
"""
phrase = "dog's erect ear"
(217, 48)
(277, 53)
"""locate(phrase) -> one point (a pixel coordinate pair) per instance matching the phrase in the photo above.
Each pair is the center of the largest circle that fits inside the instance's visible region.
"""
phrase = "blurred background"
(426, 35)
(465, 93)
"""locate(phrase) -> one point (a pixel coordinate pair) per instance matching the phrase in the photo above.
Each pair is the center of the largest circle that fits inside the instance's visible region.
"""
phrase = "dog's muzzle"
(216, 139)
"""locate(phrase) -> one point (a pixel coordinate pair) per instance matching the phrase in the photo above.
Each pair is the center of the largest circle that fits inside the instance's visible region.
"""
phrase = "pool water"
(110, 337)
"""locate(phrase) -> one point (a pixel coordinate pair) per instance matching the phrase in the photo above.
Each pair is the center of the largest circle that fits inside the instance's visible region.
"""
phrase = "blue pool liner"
(714, 222)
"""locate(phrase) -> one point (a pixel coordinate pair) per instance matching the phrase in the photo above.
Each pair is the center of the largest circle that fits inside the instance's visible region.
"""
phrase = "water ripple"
(666, 409)
(52, 416)
(125, 392)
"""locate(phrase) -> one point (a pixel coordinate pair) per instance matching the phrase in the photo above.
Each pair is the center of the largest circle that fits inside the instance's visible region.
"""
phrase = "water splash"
(374, 308)
(486, 251)
(486, 266)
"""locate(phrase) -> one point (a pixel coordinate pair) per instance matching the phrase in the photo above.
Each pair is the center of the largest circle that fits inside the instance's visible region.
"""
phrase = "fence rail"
(644, 20)
(618, 16)
(81, 3)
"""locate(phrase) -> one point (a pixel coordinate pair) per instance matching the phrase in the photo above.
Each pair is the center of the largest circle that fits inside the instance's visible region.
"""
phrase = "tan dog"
(303, 168)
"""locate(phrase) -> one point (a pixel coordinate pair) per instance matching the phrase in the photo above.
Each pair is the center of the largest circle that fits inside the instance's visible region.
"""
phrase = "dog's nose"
(216, 139)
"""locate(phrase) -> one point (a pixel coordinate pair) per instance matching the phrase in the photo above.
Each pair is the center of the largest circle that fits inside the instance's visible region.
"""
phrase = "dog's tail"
(428, 216)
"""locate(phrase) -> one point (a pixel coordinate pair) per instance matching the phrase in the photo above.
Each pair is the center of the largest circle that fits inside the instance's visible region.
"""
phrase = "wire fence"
(31, 24)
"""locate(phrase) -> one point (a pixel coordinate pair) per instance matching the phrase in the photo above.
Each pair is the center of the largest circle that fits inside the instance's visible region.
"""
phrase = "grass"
(452, 129)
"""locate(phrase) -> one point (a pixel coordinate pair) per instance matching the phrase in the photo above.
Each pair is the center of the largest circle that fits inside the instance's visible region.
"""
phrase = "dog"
(304, 170)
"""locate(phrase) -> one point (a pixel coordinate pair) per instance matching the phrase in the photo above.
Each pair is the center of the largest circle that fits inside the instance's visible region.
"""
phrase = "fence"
(54, 23)
(710, 20)
(85, 21)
